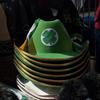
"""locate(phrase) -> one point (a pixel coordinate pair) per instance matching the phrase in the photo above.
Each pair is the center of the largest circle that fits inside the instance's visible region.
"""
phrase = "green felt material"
(50, 39)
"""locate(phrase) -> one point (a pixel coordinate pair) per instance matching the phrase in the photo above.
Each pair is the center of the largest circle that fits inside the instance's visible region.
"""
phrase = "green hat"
(50, 39)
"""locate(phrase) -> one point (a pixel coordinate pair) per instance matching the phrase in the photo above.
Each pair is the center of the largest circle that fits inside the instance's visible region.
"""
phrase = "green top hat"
(50, 39)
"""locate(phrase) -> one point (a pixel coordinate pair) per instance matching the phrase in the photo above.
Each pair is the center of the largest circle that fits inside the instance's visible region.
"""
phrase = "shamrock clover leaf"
(49, 37)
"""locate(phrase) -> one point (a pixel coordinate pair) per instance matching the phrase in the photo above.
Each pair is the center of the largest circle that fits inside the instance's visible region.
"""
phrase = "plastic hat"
(51, 40)
(46, 74)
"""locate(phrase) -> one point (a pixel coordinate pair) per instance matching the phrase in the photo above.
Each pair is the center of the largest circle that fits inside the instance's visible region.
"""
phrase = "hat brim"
(60, 56)
(62, 77)
(25, 59)
(64, 65)
(50, 92)
(47, 82)
(39, 92)
(53, 73)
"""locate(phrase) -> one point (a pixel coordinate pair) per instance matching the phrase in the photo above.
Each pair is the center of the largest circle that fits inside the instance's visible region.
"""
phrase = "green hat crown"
(51, 37)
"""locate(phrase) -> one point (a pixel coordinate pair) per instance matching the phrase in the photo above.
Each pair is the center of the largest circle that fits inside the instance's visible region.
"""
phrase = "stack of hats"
(49, 57)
